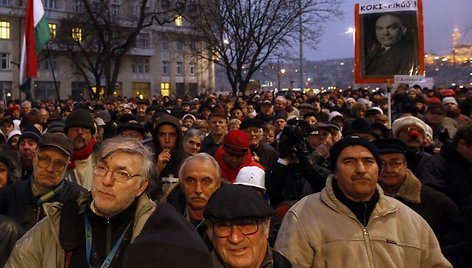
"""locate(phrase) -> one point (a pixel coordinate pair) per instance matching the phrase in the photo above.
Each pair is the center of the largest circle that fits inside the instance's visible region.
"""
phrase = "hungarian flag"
(35, 38)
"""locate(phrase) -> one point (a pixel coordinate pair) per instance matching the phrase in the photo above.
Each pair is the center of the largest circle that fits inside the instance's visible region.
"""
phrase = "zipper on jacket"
(108, 237)
(368, 246)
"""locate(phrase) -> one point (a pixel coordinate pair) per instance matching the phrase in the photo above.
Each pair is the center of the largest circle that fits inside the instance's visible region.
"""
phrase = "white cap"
(251, 176)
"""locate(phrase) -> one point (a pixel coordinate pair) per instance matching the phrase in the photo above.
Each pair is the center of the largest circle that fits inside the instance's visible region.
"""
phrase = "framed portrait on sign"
(388, 40)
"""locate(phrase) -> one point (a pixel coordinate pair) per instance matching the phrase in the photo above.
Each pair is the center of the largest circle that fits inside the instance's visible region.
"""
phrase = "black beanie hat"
(30, 132)
(348, 141)
(80, 118)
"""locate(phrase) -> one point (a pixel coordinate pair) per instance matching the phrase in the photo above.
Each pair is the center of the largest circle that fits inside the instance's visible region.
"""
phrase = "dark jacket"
(167, 240)
(209, 145)
(457, 246)
(399, 59)
(267, 155)
(18, 202)
(435, 207)
(10, 232)
(449, 172)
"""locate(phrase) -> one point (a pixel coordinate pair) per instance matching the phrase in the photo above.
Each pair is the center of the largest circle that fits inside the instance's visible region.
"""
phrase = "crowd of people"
(286, 179)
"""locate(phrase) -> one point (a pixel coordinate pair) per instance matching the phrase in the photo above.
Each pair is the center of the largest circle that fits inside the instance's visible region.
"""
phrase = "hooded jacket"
(320, 231)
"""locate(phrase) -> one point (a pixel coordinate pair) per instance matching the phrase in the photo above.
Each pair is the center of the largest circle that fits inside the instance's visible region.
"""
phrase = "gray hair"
(201, 157)
(192, 132)
(130, 146)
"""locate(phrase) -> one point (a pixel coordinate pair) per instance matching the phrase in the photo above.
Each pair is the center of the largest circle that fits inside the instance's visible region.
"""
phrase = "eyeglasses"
(253, 130)
(116, 175)
(393, 164)
(246, 227)
(44, 161)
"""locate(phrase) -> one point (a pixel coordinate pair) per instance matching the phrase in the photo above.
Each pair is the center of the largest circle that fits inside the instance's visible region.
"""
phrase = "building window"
(143, 40)
(4, 61)
(46, 90)
(50, 4)
(193, 69)
(179, 68)
(77, 34)
(116, 8)
(179, 21)
(140, 65)
(165, 89)
(5, 2)
(46, 65)
(4, 30)
(165, 44)
(53, 30)
(5, 90)
(141, 90)
(77, 6)
(178, 46)
(165, 67)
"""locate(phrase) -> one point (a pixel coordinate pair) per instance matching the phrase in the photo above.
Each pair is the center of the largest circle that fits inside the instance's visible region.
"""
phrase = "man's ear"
(142, 187)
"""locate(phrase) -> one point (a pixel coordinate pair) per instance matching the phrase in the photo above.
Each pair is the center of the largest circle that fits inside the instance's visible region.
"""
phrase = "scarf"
(47, 196)
(82, 153)
(228, 173)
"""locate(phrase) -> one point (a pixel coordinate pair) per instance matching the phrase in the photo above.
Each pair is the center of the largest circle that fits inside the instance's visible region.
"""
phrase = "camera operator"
(294, 175)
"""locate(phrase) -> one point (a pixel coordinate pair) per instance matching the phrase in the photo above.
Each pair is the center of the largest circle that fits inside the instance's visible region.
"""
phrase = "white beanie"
(408, 121)
(251, 176)
(447, 100)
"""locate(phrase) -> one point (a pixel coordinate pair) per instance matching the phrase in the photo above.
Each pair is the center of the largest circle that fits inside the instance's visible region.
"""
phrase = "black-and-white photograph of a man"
(390, 44)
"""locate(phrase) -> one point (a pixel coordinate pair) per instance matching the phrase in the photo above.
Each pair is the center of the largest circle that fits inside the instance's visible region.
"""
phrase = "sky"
(440, 17)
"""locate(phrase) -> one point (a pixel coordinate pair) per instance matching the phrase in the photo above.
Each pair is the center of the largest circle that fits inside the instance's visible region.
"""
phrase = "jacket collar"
(410, 190)
(383, 206)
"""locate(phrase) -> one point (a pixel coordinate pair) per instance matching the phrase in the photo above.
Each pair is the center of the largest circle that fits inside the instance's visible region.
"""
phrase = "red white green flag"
(36, 35)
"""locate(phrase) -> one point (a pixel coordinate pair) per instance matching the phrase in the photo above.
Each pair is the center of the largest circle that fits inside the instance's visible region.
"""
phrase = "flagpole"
(52, 71)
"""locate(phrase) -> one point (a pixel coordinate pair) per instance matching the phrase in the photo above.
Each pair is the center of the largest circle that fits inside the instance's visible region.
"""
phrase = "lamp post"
(279, 73)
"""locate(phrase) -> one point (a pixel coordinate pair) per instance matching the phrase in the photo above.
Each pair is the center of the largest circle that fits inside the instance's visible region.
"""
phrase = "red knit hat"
(236, 142)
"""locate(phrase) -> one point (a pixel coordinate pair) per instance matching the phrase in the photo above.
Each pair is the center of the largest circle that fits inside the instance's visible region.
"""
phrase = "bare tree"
(98, 37)
(244, 34)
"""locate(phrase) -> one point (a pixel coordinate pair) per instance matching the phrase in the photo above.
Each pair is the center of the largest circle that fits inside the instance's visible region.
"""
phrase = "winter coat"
(18, 202)
(41, 247)
(435, 207)
(320, 231)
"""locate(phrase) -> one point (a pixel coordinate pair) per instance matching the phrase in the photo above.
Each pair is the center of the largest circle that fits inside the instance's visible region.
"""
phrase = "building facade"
(164, 60)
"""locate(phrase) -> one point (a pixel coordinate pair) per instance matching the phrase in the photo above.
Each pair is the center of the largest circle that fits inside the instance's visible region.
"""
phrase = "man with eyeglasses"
(97, 229)
(79, 127)
(23, 201)
(351, 222)
(399, 182)
(238, 222)
(262, 152)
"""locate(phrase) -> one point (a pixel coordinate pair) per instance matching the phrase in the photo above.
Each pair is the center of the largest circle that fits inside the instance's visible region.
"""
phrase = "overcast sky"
(440, 17)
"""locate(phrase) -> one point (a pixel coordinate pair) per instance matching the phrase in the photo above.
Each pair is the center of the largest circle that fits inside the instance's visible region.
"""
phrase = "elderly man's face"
(79, 137)
(356, 173)
(111, 197)
(240, 250)
(389, 30)
(394, 169)
(255, 136)
(412, 136)
(49, 167)
(198, 183)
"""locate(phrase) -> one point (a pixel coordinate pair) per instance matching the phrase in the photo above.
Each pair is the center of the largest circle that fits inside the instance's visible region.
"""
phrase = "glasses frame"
(229, 225)
(97, 170)
(41, 162)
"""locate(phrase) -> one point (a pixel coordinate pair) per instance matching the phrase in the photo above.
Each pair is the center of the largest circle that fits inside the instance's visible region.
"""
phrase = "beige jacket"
(40, 246)
(320, 231)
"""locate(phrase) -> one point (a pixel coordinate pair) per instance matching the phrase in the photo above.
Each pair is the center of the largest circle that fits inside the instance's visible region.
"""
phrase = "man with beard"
(79, 128)
(412, 132)
(353, 216)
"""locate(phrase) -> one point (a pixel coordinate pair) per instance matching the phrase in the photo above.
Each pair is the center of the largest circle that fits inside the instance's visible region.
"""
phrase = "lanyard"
(88, 238)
